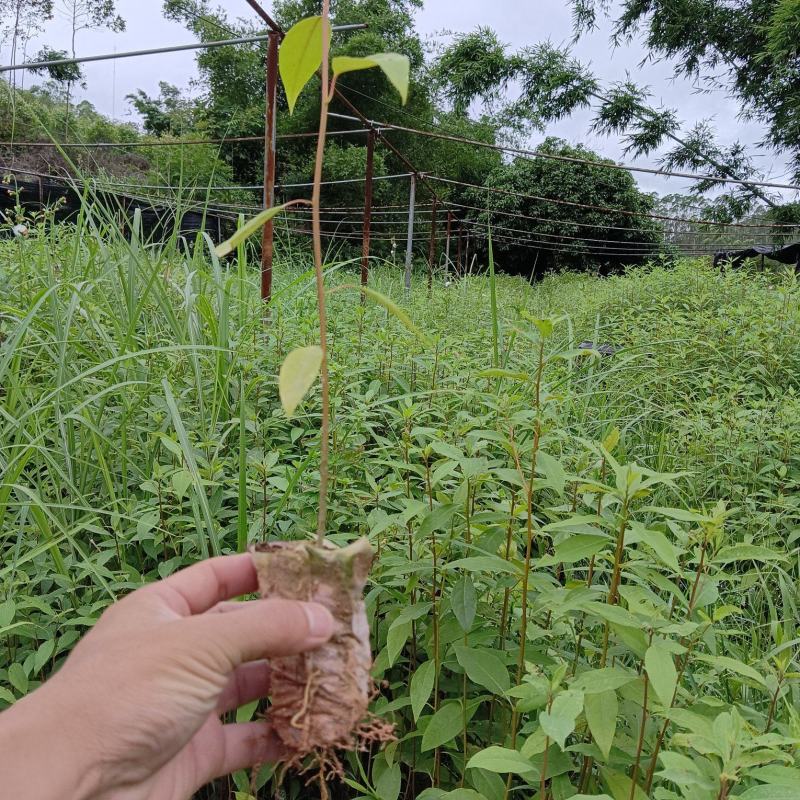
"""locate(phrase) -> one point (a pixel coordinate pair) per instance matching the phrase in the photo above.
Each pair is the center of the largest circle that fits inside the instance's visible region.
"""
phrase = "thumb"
(263, 628)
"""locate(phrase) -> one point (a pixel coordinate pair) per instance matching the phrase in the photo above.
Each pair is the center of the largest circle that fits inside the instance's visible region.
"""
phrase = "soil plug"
(320, 698)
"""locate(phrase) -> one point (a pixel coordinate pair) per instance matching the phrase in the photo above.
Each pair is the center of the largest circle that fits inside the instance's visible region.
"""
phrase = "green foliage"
(560, 554)
(562, 180)
(750, 49)
(168, 114)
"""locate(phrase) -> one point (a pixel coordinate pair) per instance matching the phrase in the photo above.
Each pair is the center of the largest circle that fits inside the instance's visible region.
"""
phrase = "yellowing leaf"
(394, 66)
(298, 372)
(247, 230)
(611, 440)
(300, 56)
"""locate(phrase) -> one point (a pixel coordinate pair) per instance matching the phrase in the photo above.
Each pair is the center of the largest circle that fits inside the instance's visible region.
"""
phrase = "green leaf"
(621, 786)
(387, 787)
(422, 683)
(456, 794)
(396, 639)
(245, 713)
(544, 326)
(444, 726)
(17, 678)
(559, 722)
(43, 654)
(601, 716)
(437, 520)
(7, 611)
(575, 548)
(533, 694)
(501, 759)
(551, 468)
(658, 543)
(181, 481)
(661, 671)
(733, 665)
(392, 307)
(247, 230)
(484, 668)
(746, 552)
(771, 792)
(484, 564)
(300, 56)
(464, 601)
(298, 372)
(395, 67)
(681, 770)
(504, 373)
(606, 679)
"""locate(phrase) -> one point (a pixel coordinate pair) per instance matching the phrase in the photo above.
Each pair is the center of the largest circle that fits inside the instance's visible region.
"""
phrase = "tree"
(19, 21)
(169, 113)
(61, 74)
(558, 234)
(749, 48)
(553, 85)
(233, 104)
(88, 15)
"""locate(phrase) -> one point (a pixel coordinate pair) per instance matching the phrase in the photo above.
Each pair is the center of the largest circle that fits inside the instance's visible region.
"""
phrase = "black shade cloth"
(158, 221)
(786, 254)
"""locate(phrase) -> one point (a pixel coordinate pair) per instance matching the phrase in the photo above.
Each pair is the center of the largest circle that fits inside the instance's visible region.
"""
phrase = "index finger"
(197, 588)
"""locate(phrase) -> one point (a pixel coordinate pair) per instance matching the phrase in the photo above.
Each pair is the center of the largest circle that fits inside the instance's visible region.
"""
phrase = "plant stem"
(640, 742)
(324, 430)
(613, 592)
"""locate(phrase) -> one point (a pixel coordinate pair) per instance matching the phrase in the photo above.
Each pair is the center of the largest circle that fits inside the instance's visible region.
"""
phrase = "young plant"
(319, 701)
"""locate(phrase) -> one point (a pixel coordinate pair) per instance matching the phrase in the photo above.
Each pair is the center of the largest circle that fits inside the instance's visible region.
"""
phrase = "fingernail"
(320, 622)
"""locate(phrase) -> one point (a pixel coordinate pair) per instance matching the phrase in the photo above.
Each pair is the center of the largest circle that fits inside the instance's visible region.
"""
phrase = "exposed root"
(320, 699)
(373, 730)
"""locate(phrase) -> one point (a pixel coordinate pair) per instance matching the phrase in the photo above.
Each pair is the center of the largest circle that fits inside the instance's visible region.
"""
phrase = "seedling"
(320, 700)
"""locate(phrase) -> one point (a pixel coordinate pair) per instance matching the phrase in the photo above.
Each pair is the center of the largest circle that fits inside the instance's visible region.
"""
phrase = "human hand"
(134, 713)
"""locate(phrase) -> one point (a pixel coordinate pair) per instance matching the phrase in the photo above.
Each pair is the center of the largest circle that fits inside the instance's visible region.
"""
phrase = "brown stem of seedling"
(316, 228)
(529, 488)
(613, 592)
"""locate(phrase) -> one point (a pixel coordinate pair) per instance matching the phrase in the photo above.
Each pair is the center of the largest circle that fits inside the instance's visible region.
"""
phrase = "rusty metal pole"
(432, 246)
(410, 237)
(367, 211)
(268, 231)
(447, 243)
(460, 248)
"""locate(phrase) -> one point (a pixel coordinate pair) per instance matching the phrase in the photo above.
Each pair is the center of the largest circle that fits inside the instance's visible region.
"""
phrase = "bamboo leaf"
(298, 372)
(392, 307)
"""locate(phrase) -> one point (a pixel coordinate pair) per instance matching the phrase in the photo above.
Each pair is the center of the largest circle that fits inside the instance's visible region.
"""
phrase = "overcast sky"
(517, 22)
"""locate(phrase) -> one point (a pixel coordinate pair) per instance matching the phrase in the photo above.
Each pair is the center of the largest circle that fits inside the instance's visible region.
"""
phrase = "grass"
(495, 468)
